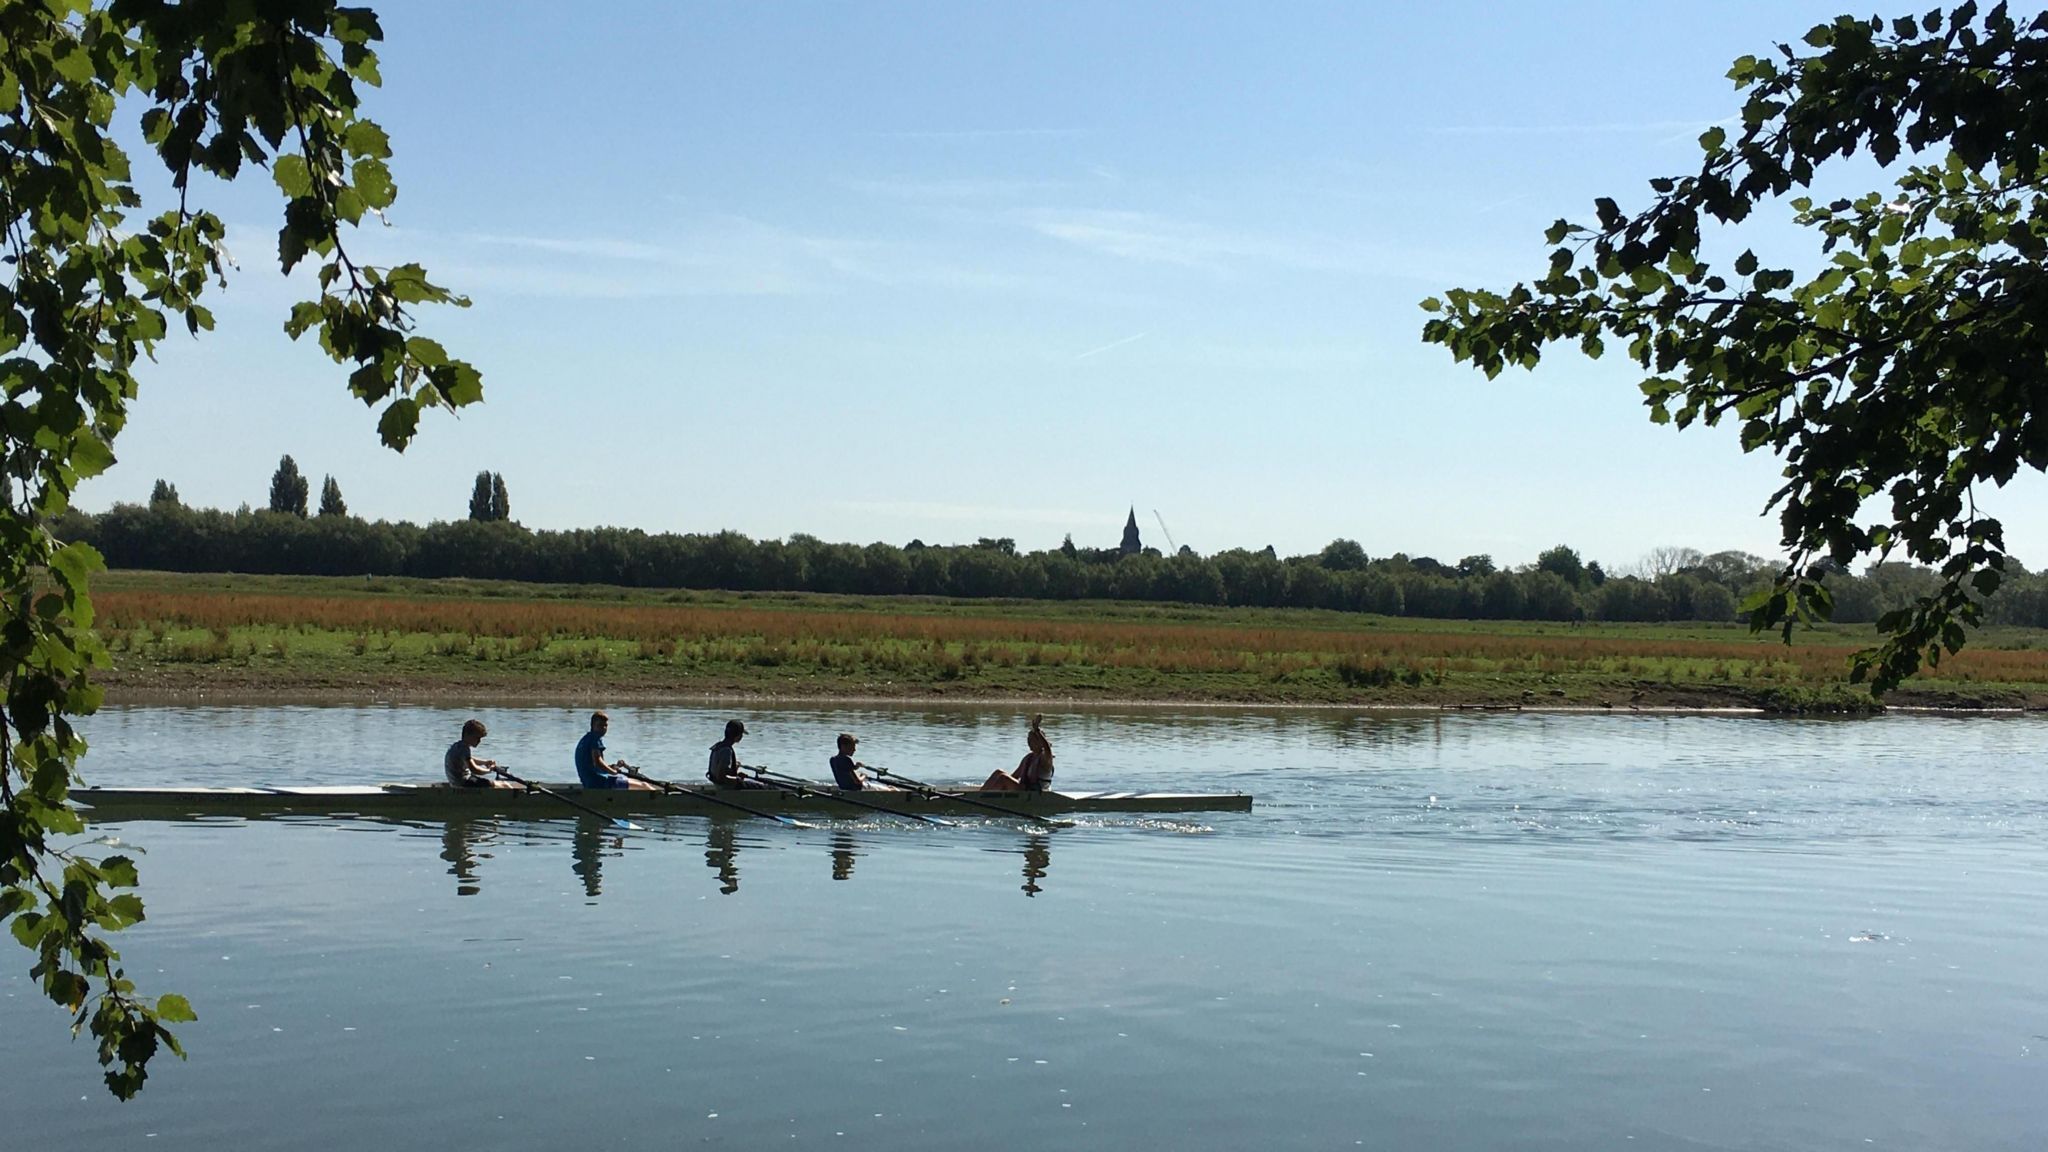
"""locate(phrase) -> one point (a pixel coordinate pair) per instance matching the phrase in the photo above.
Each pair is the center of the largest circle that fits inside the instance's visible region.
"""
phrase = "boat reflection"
(721, 853)
(587, 850)
(467, 844)
(1037, 861)
(459, 841)
(843, 855)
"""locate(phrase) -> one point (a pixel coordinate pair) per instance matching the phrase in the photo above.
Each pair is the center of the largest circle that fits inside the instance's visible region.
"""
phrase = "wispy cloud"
(596, 248)
(719, 256)
(1598, 128)
(722, 256)
(1148, 237)
(1497, 205)
(1112, 345)
(954, 190)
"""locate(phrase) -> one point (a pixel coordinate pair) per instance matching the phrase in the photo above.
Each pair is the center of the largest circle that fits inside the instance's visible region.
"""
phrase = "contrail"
(1112, 344)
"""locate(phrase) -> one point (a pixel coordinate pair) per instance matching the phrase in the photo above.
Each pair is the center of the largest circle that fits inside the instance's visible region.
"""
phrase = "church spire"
(1131, 544)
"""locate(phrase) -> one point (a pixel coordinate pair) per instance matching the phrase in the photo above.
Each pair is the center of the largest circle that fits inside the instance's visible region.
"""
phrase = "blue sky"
(946, 271)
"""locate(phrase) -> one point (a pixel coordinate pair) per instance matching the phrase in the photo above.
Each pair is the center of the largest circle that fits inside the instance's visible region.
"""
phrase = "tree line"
(1670, 584)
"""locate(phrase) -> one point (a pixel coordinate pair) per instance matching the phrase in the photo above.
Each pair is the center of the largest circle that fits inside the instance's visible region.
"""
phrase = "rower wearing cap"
(725, 763)
(846, 771)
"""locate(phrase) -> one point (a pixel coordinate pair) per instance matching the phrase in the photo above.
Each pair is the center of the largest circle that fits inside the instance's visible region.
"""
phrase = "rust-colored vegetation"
(205, 626)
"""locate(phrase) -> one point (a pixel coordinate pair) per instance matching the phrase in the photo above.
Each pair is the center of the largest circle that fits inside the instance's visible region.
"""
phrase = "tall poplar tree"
(480, 498)
(331, 503)
(288, 488)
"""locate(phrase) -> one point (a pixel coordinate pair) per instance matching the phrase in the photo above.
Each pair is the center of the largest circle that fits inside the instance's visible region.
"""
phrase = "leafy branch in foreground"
(85, 294)
(1908, 370)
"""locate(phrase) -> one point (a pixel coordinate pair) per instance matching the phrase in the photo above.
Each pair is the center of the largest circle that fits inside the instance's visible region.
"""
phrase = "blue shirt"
(846, 772)
(587, 751)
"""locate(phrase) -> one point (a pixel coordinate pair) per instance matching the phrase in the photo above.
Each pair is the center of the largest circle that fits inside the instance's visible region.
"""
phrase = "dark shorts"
(467, 781)
(602, 781)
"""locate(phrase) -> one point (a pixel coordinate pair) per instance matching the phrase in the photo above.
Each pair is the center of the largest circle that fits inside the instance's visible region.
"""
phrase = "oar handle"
(906, 781)
(531, 787)
(931, 790)
(806, 788)
(674, 789)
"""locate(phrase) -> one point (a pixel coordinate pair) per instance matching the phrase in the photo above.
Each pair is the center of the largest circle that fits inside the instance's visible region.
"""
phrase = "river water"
(1456, 931)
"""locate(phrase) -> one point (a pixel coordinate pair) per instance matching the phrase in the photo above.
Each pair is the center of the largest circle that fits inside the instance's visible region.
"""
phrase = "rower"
(591, 770)
(461, 765)
(1034, 771)
(724, 770)
(846, 771)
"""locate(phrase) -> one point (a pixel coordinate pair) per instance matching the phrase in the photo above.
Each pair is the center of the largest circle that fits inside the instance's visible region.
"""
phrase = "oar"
(804, 788)
(931, 791)
(530, 786)
(675, 789)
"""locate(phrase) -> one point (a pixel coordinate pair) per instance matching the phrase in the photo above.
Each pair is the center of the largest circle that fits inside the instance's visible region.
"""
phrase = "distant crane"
(1165, 530)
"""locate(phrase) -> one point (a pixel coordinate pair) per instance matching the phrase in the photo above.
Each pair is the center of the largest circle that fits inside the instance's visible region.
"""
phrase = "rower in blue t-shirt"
(591, 769)
(846, 771)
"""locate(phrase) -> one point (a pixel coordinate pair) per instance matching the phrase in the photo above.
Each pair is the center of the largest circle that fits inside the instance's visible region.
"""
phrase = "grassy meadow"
(282, 636)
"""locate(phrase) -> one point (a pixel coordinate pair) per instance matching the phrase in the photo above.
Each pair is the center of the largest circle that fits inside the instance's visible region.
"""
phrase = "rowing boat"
(436, 800)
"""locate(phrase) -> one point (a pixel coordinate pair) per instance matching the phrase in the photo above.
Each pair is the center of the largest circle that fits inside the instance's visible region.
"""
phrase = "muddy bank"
(244, 685)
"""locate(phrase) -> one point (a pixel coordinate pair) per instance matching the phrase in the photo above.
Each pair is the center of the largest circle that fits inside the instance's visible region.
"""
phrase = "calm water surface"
(1519, 931)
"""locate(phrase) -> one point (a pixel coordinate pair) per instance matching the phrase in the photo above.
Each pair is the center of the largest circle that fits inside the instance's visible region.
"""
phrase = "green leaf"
(76, 562)
(459, 382)
(1713, 138)
(28, 928)
(428, 353)
(365, 140)
(305, 314)
(91, 455)
(292, 175)
(119, 872)
(409, 285)
(400, 420)
(126, 908)
(172, 1008)
(373, 184)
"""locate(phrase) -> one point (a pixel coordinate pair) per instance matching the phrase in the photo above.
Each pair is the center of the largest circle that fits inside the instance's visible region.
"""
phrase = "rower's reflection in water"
(843, 854)
(721, 852)
(459, 840)
(588, 849)
(1037, 860)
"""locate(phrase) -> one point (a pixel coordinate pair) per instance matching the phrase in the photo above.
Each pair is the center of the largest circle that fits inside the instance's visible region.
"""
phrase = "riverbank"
(221, 638)
(255, 685)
